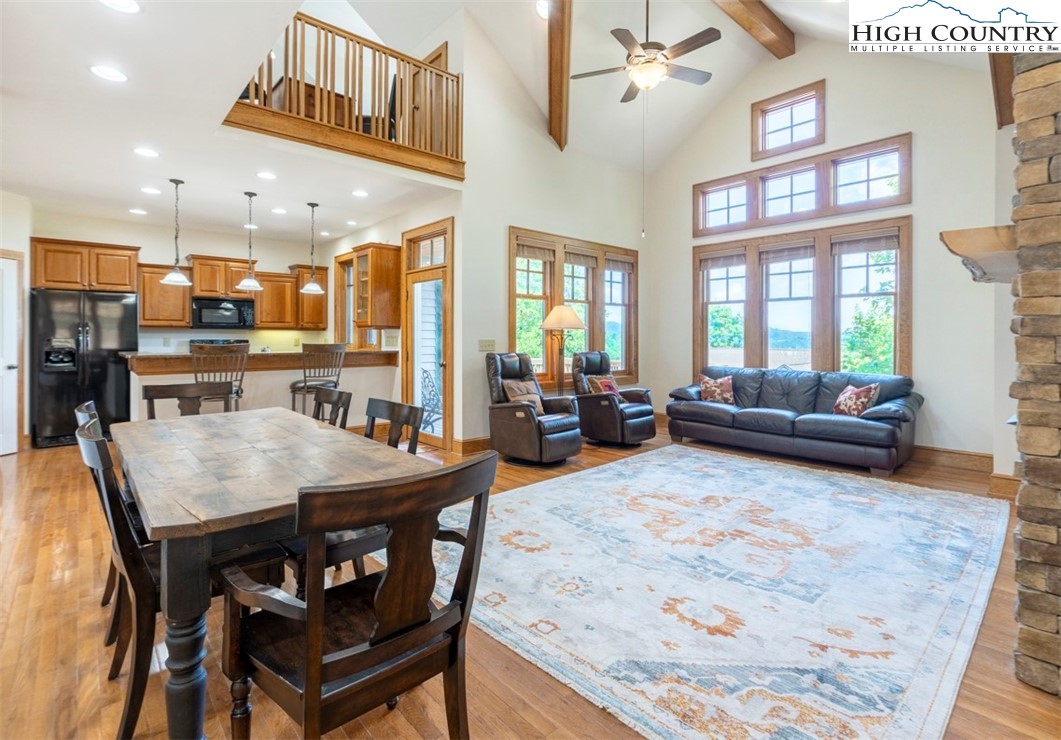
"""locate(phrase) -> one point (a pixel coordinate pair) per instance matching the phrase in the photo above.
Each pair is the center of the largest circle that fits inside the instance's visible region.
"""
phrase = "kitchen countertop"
(180, 363)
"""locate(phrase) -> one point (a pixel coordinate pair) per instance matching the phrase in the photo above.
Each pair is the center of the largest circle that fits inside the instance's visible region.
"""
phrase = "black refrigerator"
(75, 340)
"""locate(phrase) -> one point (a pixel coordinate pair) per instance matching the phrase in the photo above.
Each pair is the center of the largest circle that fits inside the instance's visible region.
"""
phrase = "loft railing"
(326, 86)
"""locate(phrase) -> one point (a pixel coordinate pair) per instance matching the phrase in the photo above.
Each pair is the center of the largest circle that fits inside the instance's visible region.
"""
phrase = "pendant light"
(175, 276)
(249, 283)
(312, 287)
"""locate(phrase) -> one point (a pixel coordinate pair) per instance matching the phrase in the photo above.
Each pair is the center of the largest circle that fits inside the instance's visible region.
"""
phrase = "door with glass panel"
(427, 335)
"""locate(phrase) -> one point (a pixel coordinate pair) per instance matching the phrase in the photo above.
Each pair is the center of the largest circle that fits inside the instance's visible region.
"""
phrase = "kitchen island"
(366, 374)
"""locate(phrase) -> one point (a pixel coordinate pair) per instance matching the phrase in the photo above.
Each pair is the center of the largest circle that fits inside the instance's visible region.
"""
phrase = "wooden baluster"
(359, 85)
(302, 69)
(317, 78)
(268, 92)
(287, 69)
(460, 117)
(348, 68)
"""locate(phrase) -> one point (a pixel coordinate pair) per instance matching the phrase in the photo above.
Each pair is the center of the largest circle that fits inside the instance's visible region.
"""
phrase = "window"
(793, 192)
(864, 177)
(836, 298)
(428, 252)
(790, 121)
(726, 205)
(724, 293)
(597, 281)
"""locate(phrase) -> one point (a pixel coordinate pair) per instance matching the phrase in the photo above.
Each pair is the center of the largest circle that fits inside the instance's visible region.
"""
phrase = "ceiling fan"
(650, 63)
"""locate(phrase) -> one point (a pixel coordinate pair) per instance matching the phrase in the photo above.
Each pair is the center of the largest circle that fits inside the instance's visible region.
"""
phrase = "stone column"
(1037, 215)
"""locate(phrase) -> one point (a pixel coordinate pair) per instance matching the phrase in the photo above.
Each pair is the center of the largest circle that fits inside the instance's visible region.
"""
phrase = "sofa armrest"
(637, 395)
(560, 405)
(900, 409)
(688, 393)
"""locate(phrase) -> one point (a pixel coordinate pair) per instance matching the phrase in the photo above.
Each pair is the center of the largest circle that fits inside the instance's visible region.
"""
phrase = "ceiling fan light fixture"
(648, 74)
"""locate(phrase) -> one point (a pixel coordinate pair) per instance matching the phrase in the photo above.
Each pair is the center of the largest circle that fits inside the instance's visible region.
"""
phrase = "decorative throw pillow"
(523, 390)
(854, 401)
(720, 391)
(603, 384)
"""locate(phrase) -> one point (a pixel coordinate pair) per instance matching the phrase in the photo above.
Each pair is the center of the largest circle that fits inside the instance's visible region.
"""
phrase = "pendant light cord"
(644, 108)
(250, 234)
(176, 222)
(312, 247)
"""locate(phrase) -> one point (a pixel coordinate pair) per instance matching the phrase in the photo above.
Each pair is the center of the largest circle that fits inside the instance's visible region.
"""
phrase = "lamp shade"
(562, 317)
(176, 277)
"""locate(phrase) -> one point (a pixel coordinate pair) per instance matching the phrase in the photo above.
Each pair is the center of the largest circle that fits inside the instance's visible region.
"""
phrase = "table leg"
(185, 601)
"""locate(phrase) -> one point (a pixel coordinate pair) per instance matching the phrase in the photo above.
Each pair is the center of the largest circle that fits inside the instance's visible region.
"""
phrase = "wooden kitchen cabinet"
(377, 286)
(217, 277)
(72, 265)
(312, 309)
(277, 306)
(163, 305)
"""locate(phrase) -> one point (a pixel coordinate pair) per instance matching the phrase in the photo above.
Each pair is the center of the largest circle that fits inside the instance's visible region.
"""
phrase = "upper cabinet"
(277, 306)
(312, 308)
(163, 305)
(71, 265)
(217, 277)
(377, 286)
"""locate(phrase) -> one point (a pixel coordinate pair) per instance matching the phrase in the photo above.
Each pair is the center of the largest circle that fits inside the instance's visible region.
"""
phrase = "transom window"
(597, 281)
(793, 192)
(837, 298)
(726, 206)
(428, 252)
(867, 178)
(789, 121)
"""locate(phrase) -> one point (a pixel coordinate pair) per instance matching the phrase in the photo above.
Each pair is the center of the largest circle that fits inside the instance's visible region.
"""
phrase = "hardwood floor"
(53, 663)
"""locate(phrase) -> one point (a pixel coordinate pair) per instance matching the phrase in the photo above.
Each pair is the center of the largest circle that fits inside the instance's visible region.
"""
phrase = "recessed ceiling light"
(279, 211)
(265, 175)
(542, 8)
(252, 227)
(108, 73)
(144, 151)
(138, 211)
(150, 190)
(351, 223)
(326, 233)
(359, 194)
(122, 6)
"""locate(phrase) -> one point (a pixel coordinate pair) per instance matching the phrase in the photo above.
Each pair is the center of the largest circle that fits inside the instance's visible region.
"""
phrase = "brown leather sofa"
(790, 412)
(516, 429)
(626, 419)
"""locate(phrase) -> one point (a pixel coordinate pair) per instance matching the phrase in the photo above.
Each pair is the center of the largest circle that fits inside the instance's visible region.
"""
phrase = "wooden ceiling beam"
(1002, 83)
(765, 27)
(559, 69)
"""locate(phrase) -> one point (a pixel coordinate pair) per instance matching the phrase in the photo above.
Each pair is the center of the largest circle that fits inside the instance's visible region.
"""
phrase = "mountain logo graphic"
(1019, 16)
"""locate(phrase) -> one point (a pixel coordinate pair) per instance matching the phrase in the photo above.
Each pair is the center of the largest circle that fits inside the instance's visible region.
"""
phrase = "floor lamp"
(559, 320)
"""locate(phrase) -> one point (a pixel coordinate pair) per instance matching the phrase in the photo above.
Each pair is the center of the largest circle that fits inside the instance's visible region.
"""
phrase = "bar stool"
(221, 363)
(321, 366)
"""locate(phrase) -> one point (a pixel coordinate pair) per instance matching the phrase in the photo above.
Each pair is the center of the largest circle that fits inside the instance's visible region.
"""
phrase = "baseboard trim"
(1003, 486)
(976, 462)
(471, 446)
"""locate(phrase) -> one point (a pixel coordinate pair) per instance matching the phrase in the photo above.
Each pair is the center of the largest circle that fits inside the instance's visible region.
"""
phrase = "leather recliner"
(626, 419)
(516, 429)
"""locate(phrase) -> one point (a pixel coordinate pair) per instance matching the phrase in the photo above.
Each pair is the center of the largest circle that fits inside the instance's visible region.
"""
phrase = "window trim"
(554, 295)
(824, 166)
(825, 342)
(760, 109)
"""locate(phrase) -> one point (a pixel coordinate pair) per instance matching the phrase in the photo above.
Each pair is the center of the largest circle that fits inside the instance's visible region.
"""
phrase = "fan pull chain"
(644, 108)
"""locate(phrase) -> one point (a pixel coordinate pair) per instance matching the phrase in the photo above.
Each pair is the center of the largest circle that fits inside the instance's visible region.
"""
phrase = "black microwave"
(222, 313)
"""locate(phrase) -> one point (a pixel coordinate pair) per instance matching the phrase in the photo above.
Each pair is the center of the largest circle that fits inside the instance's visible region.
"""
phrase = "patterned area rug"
(693, 593)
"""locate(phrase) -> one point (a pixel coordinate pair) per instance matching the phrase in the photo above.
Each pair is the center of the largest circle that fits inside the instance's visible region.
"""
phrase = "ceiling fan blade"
(694, 42)
(631, 93)
(628, 41)
(687, 74)
(598, 72)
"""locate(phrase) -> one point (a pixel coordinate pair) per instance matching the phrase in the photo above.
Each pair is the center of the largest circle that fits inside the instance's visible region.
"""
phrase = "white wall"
(1004, 436)
(16, 226)
(868, 97)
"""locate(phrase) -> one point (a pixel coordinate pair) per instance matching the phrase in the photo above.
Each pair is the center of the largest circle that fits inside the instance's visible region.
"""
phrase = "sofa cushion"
(703, 412)
(747, 382)
(790, 390)
(771, 421)
(719, 391)
(833, 384)
(552, 423)
(636, 410)
(854, 401)
(850, 429)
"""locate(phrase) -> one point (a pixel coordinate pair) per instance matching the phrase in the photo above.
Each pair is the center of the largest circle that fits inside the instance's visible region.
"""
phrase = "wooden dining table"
(208, 484)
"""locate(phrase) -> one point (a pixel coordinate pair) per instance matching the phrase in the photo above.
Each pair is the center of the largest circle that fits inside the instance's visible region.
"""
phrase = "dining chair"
(189, 396)
(217, 363)
(138, 563)
(321, 366)
(347, 649)
(337, 400)
(84, 413)
(400, 416)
